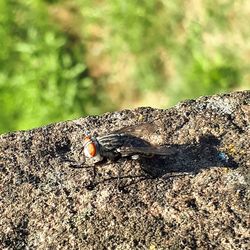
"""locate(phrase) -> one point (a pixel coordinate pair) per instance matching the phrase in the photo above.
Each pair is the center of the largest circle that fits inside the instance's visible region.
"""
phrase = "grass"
(65, 59)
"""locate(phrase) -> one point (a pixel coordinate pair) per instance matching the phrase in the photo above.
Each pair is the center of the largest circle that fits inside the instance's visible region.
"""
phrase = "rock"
(197, 198)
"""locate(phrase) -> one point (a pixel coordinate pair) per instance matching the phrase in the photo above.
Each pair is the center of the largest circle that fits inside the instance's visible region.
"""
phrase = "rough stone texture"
(199, 198)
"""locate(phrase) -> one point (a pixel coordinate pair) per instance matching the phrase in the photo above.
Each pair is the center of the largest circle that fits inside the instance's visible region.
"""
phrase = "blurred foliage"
(43, 73)
(65, 59)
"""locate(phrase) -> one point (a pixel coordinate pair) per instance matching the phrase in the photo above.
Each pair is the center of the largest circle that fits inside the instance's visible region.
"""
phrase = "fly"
(123, 143)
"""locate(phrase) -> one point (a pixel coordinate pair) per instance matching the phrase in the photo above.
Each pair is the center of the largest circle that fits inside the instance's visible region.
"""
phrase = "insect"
(123, 143)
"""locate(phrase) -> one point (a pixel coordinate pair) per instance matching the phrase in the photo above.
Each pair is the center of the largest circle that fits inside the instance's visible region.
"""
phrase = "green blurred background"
(65, 59)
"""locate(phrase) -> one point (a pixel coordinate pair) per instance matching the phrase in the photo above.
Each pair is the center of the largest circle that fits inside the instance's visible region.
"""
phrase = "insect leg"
(92, 183)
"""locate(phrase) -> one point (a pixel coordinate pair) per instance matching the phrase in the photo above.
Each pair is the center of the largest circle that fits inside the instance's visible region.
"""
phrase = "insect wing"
(150, 150)
(139, 130)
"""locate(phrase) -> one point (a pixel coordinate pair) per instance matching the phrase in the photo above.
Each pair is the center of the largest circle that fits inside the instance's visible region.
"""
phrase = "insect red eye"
(90, 149)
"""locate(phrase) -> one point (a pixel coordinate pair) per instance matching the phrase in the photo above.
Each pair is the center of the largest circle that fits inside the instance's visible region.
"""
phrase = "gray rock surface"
(197, 198)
